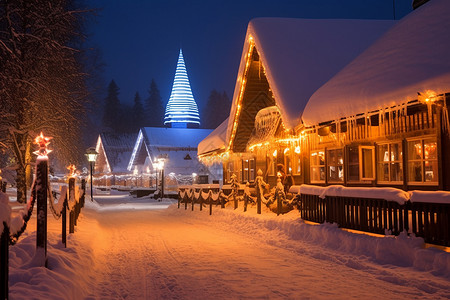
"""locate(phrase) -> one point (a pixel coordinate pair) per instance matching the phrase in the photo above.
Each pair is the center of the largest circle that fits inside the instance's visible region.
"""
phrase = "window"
(317, 166)
(271, 164)
(287, 163)
(422, 161)
(230, 170)
(248, 170)
(335, 165)
(390, 163)
(367, 166)
(353, 163)
(297, 165)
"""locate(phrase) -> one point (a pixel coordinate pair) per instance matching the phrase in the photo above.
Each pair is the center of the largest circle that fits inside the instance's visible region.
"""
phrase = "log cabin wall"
(405, 147)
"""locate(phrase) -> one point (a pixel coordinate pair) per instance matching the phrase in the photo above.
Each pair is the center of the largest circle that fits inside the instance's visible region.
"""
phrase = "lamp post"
(91, 155)
(161, 161)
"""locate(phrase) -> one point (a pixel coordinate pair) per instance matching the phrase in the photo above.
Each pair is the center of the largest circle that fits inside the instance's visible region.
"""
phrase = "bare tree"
(42, 84)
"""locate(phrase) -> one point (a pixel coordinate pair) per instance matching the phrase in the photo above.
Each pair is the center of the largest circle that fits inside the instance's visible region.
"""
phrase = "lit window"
(318, 166)
(230, 170)
(297, 165)
(422, 161)
(390, 165)
(335, 165)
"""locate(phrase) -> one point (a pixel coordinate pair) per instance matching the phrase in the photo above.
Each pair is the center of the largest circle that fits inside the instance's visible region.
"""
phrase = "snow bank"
(5, 210)
(401, 251)
(66, 277)
(389, 194)
(430, 197)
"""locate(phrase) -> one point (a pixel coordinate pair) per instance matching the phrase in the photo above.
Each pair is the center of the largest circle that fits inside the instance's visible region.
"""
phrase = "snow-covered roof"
(174, 144)
(215, 140)
(300, 55)
(117, 149)
(413, 56)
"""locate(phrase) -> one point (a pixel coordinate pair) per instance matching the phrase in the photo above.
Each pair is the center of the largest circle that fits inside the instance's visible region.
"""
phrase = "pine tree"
(111, 113)
(154, 109)
(138, 113)
(216, 110)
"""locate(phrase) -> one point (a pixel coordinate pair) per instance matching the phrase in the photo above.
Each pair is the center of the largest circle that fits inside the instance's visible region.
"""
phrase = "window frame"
(422, 161)
(390, 162)
(337, 165)
(318, 166)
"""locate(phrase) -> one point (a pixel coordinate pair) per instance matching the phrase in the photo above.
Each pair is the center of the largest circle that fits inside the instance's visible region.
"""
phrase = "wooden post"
(201, 200)
(277, 194)
(179, 198)
(41, 195)
(64, 222)
(258, 198)
(193, 201)
(210, 203)
(245, 202)
(4, 262)
(185, 201)
(83, 188)
(72, 211)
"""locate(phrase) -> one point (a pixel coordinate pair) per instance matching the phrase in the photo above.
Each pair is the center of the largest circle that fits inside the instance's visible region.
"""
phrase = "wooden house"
(284, 61)
(383, 120)
(177, 147)
(114, 151)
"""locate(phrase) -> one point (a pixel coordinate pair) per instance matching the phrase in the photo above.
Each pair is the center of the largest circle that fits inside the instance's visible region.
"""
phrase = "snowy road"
(150, 250)
(178, 254)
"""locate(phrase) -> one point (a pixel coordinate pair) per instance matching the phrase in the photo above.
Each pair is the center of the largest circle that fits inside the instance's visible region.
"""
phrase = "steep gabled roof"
(215, 141)
(300, 55)
(413, 56)
(175, 143)
(117, 149)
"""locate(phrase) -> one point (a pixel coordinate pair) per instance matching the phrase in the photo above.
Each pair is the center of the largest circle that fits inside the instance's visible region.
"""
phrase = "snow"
(121, 251)
(431, 197)
(389, 194)
(300, 55)
(411, 57)
(215, 140)
(5, 210)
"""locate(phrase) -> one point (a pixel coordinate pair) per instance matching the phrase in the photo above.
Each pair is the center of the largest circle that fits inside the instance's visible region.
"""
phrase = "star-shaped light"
(72, 169)
(42, 141)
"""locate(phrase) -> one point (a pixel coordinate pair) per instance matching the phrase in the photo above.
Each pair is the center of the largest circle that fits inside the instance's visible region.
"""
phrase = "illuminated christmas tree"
(181, 110)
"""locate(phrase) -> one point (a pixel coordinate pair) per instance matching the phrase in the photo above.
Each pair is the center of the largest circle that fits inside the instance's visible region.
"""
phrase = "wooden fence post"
(64, 222)
(72, 211)
(245, 202)
(258, 198)
(185, 201)
(41, 195)
(201, 200)
(210, 203)
(193, 200)
(4, 262)
(179, 198)
(277, 194)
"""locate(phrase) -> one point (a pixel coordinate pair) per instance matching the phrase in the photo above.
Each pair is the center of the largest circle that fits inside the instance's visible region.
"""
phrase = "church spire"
(181, 110)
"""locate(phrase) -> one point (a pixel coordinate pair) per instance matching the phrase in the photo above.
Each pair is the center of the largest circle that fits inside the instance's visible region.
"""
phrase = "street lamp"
(161, 161)
(91, 155)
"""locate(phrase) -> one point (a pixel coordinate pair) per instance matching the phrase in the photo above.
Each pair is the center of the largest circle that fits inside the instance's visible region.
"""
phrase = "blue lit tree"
(181, 110)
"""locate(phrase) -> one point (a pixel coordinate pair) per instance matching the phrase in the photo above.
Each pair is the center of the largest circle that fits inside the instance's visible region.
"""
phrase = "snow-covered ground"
(128, 248)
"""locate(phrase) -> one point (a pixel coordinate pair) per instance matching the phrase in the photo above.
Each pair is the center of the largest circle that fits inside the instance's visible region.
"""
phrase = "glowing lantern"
(297, 150)
(275, 153)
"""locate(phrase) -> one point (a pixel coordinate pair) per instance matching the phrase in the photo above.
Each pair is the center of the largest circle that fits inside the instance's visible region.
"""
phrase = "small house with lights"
(114, 151)
(173, 150)
(283, 62)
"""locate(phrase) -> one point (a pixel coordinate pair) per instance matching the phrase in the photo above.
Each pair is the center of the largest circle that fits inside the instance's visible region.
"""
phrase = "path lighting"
(161, 161)
(91, 156)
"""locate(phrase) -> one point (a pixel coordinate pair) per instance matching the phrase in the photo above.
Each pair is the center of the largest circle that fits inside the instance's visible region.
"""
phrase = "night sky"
(140, 40)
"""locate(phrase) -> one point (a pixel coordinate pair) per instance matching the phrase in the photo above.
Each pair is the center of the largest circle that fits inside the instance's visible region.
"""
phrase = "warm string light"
(241, 93)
